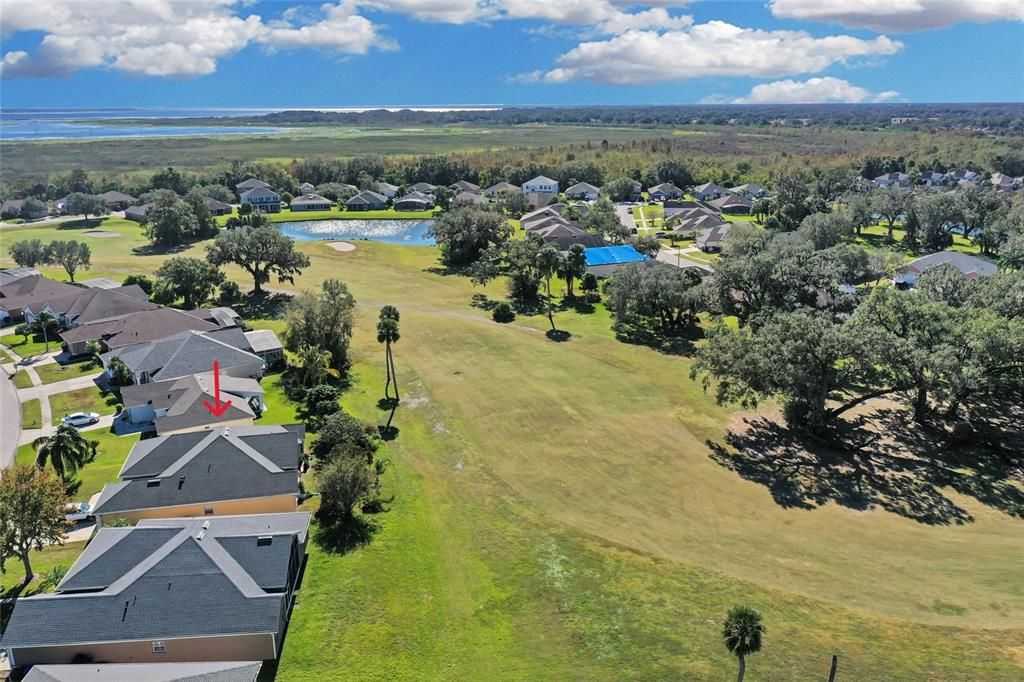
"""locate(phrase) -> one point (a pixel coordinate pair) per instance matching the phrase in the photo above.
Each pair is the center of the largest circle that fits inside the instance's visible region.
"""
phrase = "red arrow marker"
(219, 407)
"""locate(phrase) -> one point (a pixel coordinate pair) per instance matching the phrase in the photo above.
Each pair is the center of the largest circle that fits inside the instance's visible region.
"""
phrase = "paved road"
(10, 420)
(625, 217)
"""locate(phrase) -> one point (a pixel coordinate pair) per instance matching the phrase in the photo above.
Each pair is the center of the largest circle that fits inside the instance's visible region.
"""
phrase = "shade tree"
(260, 251)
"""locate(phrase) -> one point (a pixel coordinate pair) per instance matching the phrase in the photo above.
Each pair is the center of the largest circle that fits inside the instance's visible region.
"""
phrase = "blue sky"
(238, 53)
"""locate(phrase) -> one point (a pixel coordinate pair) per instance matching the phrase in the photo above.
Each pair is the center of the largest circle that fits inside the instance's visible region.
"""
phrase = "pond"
(406, 232)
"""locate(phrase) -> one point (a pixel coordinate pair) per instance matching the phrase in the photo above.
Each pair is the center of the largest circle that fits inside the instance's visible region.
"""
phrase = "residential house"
(307, 188)
(603, 261)
(217, 671)
(222, 316)
(895, 178)
(262, 199)
(414, 201)
(564, 235)
(251, 183)
(750, 190)
(16, 208)
(186, 353)
(217, 207)
(1006, 183)
(223, 472)
(464, 186)
(528, 219)
(971, 267)
(180, 405)
(932, 178)
(92, 305)
(583, 191)
(500, 187)
(685, 225)
(138, 213)
(466, 198)
(732, 203)
(11, 275)
(424, 188)
(637, 191)
(665, 190)
(265, 344)
(131, 329)
(169, 590)
(711, 239)
(387, 189)
(708, 191)
(26, 292)
(100, 283)
(366, 201)
(310, 202)
(117, 201)
(964, 176)
(541, 185)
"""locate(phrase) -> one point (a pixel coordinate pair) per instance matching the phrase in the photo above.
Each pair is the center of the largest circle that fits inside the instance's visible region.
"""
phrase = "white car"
(78, 511)
(81, 418)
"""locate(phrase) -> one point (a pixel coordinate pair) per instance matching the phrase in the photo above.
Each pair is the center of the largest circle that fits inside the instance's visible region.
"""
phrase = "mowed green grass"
(90, 399)
(31, 414)
(33, 345)
(110, 456)
(556, 514)
(42, 561)
(53, 372)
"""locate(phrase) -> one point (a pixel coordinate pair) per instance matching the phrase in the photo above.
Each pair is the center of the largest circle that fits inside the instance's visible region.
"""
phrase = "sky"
(288, 53)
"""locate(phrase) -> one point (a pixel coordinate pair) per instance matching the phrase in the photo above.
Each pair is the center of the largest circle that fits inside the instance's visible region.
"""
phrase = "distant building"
(584, 191)
(367, 201)
(117, 201)
(750, 190)
(16, 208)
(387, 189)
(424, 188)
(712, 239)
(708, 190)
(464, 186)
(971, 267)
(500, 187)
(467, 198)
(217, 207)
(306, 188)
(731, 203)
(310, 202)
(890, 179)
(139, 213)
(414, 201)
(262, 199)
(665, 190)
(251, 183)
(541, 185)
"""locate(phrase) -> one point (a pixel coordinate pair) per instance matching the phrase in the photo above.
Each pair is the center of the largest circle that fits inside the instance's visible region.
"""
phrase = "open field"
(557, 515)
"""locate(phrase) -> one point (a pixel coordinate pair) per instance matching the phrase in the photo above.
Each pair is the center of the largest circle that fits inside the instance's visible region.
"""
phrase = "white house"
(262, 199)
(540, 185)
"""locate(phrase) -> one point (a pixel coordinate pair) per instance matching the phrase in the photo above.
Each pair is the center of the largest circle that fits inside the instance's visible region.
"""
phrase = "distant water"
(406, 232)
(65, 124)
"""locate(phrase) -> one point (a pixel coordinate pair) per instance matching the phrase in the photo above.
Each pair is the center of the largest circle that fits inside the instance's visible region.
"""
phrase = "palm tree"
(67, 450)
(316, 364)
(93, 349)
(548, 262)
(742, 633)
(388, 333)
(46, 323)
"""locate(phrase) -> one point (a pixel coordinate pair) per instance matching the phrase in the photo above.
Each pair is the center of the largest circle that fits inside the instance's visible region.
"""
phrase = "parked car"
(78, 511)
(81, 418)
(629, 210)
(660, 235)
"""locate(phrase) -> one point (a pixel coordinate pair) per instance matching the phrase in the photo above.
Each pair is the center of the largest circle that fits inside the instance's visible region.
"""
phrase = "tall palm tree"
(388, 334)
(548, 262)
(316, 364)
(67, 450)
(742, 633)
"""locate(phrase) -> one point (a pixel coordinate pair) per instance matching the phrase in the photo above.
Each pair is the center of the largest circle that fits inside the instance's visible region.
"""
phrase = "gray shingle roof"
(33, 291)
(183, 400)
(964, 262)
(186, 353)
(92, 305)
(367, 197)
(190, 586)
(217, 467)
(214, 671)
(138, 327)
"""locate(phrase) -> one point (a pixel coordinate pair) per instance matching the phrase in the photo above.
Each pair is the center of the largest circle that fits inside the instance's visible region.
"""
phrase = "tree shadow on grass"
(558, 335)
(159, 250)
(339, 537)
(263, 306)
(881, 460)
(82, 224)
(449, 270)
(649, 333)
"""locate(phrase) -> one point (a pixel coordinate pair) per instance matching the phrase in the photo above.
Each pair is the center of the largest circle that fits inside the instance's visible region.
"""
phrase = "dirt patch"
(344, 247)
(413, 403)
(102, 234)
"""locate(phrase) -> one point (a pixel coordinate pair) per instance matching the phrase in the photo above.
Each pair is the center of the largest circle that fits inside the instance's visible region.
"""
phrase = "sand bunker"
(342, 246)
(102, 234)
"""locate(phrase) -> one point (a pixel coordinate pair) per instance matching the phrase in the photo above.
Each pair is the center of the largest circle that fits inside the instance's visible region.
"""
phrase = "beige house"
(169, 590)
(224, 472)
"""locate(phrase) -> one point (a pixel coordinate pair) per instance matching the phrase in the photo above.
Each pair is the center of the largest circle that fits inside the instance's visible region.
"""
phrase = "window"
(159, 647)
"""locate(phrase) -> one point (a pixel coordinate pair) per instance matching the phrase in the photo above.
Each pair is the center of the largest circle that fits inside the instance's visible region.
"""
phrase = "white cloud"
(442, 11)
(171, 38)
(899, 16)
(810, 91)
(712, 49)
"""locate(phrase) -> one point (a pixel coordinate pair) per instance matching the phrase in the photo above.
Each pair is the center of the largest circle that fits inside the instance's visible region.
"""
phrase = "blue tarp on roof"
(611, 255)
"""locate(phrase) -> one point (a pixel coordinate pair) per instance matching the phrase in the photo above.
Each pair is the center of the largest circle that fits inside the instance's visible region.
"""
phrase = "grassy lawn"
(556, 514)
(35, 345)
(875, 236)
(21, 379)
(90, 399)
(31, 414)
(110, 456)
(53, 372)
(42, 562)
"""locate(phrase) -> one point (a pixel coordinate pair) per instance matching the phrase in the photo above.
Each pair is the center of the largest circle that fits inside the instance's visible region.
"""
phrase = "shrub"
(230, 293)
(344, 483)
(341, 433)
(503, 313)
